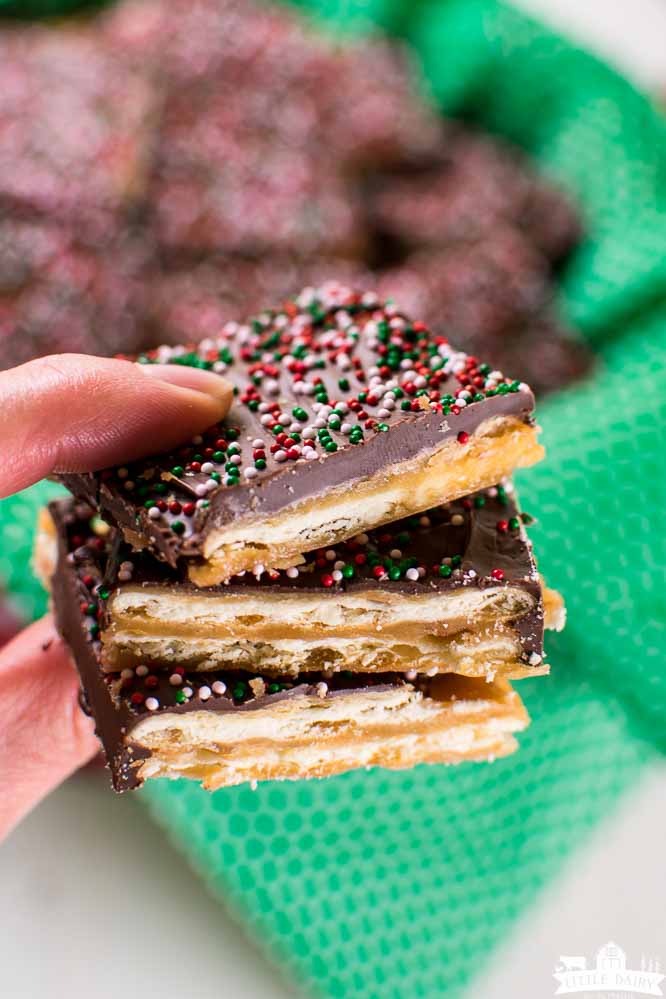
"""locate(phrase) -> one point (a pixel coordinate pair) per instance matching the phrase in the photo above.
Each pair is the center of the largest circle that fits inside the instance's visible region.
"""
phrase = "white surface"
(94, 906)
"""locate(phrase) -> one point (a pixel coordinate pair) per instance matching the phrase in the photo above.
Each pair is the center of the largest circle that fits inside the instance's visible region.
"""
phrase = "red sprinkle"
(502, 526)
(497, 574)
(463, 436)
(327, 580)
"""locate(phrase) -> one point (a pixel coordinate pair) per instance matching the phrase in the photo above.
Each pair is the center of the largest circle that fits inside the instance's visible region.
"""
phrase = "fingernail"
(191, 378)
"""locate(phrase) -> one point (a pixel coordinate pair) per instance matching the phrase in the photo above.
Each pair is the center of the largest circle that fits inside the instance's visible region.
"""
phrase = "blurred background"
(166, 165)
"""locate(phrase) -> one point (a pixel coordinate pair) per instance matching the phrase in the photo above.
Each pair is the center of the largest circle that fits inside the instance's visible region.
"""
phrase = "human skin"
(72, 412)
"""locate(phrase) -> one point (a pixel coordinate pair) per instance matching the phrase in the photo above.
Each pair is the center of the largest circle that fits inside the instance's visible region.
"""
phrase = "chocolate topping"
(329, 391)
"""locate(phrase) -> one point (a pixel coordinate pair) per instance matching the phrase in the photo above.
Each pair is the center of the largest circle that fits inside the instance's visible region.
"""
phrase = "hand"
(71, 412)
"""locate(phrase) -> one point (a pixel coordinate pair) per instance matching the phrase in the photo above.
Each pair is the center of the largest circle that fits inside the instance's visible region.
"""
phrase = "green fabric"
(389, 885)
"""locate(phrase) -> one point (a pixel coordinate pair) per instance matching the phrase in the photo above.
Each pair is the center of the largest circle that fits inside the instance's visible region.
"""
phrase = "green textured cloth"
(388, 885)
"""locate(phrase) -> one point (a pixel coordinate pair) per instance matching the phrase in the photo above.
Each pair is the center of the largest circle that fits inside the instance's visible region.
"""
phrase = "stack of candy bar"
(338, 575)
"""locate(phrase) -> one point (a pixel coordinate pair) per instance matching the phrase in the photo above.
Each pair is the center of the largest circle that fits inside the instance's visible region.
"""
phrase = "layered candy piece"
(455, 590)
(348, 415)
(224, 727)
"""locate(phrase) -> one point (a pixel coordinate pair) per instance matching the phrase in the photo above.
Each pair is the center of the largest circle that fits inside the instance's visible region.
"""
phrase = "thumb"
(45, 735)
(75, 413)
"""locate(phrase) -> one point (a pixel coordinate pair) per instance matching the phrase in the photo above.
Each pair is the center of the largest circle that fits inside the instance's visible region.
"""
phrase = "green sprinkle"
(177, 526)
(299, 414)
(177, 470)
(180, 697)
(445, 571)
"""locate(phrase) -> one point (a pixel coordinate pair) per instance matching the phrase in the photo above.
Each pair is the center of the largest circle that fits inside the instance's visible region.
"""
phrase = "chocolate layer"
(330, 390)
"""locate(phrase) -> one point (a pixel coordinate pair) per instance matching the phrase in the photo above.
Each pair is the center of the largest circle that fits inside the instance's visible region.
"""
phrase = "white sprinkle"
(292, 572)
(175, 680)
(362, 539)
(320, 423)
(219, 687)
(471, 573)
(253, 784)
(250, 473)
(142, 671)
(330, 555)
(309, 433)
(124, 576)
(492, 491)
(266, 420)
(201, 503)
(412, 574)
(457, 519)
(152, 703)
(154, 513)
(127, 674)
(395, 553)
(204, 693)
(383, 413)
(127, 566)
(322, 689)
(235, 459)
(201, 489)
(187, 691)
(207, 467)
(258, 443)
(280, 456)
(339, 564)
(346, 428)
(535, 659)
(411, 674)
(337, 575)
(309, 454)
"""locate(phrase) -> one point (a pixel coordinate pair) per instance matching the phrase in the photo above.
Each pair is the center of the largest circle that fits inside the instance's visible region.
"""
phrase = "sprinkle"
(152, 703)
(175, 679)
(219, 688)
(322, 689)
(154, 513)
(204, 693)
(142, 671)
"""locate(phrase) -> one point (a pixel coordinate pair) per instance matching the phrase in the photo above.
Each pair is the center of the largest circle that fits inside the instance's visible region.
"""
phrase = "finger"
(44, 735)
(72, 412)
